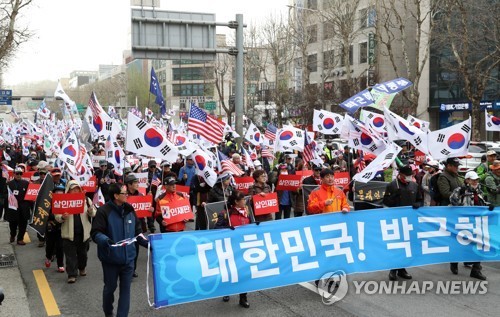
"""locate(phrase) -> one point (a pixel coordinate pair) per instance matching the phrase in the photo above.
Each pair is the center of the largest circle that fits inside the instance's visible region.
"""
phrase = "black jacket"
(23, 212)
(398, 194)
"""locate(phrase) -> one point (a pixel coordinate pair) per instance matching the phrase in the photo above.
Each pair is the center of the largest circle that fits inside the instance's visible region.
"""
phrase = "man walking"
(116, 221)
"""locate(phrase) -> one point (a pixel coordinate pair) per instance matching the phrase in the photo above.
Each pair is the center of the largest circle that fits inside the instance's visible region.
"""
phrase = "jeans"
(76, 255)
(111, 273)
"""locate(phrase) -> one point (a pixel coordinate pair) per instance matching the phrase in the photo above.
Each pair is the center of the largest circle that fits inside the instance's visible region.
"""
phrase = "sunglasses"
(19, 173)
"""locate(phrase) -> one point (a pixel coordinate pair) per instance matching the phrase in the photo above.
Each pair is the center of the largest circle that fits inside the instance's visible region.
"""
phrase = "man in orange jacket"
(169, 196)
(327, 198)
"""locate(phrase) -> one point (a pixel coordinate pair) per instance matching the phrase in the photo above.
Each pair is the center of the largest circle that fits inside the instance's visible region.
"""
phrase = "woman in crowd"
(75, 232)
(53, 239)
(260, 187)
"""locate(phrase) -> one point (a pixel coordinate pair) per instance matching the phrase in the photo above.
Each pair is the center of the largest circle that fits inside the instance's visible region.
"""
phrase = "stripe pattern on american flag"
(200, 123)
(270, 132)
(227, 166)
(94, 105)
(155, 181)
(308, 148)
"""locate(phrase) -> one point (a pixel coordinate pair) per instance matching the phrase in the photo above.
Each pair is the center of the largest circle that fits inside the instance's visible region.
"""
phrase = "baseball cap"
(433, 163)
(165, 163)
(257, 163)
(223, 177)
(317, 167)
(103, 162)
(491, 152)
(55, 171)
(406, 170)
(18, 170)
(471, 175)
(170, 181)
(453, 161)
(152, 163)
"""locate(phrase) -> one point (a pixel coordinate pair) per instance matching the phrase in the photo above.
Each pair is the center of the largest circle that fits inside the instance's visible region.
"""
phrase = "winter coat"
(317, 198)
(23, 212)
(446, 184)
(398, 194)
(256, 189)
(114, 223)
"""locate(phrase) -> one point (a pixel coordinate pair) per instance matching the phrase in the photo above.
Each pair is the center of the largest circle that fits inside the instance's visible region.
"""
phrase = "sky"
(81, 34)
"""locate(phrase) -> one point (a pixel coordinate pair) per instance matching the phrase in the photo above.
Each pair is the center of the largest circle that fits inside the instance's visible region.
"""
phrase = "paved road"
(84, 297)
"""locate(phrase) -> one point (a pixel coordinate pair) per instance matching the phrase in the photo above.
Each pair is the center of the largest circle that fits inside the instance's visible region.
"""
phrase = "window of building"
(351, 57)
(312, 33)
(367, 17)
(189, 89)
(312, 63)
(328, 30)
(251, 89)
(363, 52)
(253, 73)
(329, 59)
(192, 73)
(312, 4)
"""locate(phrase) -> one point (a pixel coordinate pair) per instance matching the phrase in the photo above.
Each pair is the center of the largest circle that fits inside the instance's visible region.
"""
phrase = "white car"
(469, 163)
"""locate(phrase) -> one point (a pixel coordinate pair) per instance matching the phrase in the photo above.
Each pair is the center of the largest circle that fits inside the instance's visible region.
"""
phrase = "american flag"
(227, 166)
(360, 163)
(270, 132)
(200, 123)
(12, 200)
(94, 105)
(155, 181)
(266, 152)
(308, 148)
(14, 113)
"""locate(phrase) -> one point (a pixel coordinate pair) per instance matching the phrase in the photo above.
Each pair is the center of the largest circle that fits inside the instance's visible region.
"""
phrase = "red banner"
(182, 189)
(32, 191)
(243, 183)
(176, 211)
(142, 205)
(91, 185)
(342, 179)
(419, 157)
(263, 205)
(289, 182)
(68, 203)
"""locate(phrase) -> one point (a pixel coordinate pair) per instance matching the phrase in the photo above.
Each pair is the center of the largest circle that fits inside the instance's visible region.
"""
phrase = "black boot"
(244, 301)
(477, 274)
(403, 274)
(393, 275)
(225, 298)
(454, 268)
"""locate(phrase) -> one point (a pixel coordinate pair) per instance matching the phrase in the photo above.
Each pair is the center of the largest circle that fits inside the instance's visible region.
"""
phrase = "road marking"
(46, 293)
(26, 237)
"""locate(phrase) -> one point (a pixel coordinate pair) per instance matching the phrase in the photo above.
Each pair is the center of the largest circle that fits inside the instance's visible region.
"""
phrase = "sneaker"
(12, 239)
(71, 280)
(135, 274)
(83, 272)
(21, 242)
(60, 269)
(47, 263)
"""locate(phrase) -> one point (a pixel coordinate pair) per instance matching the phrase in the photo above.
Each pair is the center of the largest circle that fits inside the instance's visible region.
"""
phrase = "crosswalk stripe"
(46, 293)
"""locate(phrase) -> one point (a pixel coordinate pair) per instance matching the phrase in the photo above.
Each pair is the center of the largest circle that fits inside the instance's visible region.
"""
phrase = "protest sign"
(243, 183)
(267, 204)
(176, 211)
(142, 205)
(71, 203)
(289, 182)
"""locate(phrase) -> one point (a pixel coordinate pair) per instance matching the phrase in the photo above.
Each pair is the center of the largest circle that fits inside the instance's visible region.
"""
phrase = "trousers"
(111, 274)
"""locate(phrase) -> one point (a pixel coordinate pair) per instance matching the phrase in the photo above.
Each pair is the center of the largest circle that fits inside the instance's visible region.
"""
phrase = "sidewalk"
(15, 303)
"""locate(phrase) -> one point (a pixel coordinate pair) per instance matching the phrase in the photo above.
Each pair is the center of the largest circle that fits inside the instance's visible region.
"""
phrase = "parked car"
(473, 159)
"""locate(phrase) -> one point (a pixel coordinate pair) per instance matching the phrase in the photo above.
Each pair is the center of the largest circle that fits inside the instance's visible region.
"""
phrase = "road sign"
(5, 97)
(158, 34)
(210, 105)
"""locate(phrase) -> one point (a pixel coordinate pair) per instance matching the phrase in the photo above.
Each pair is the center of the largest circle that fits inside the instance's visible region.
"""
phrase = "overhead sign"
(454, 106)
(210, 105)
(158, 34)
(5, 97)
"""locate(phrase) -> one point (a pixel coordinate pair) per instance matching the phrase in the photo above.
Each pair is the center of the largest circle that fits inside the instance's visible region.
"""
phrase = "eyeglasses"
(19, 173)
(126, 194)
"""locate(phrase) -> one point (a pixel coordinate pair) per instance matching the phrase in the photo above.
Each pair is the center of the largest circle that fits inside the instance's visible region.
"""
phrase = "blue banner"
(361, 99)
(393, 86)
(196, 265)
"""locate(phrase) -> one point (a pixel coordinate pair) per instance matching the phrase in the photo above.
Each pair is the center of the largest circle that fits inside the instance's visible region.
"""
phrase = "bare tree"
(403, 32)
(277, 39)
(11, 35)
(223, 67)
(138, 88)
(470, 48)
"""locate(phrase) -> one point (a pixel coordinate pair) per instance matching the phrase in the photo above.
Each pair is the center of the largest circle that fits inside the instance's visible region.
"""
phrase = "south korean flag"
(374, 120)
(289, 138)
(327, 122)
(450, 142)
(253, 135)
(400, 129)
(383, 161)
(492, 122)
(148, 140)
(421, 124)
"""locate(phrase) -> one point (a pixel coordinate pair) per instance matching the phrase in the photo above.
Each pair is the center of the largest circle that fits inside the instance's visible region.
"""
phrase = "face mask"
(408, 179)
(284, 173)
(474, 186)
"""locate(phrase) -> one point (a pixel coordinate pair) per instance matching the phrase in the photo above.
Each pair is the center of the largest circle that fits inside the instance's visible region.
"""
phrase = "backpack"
(434, 188)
